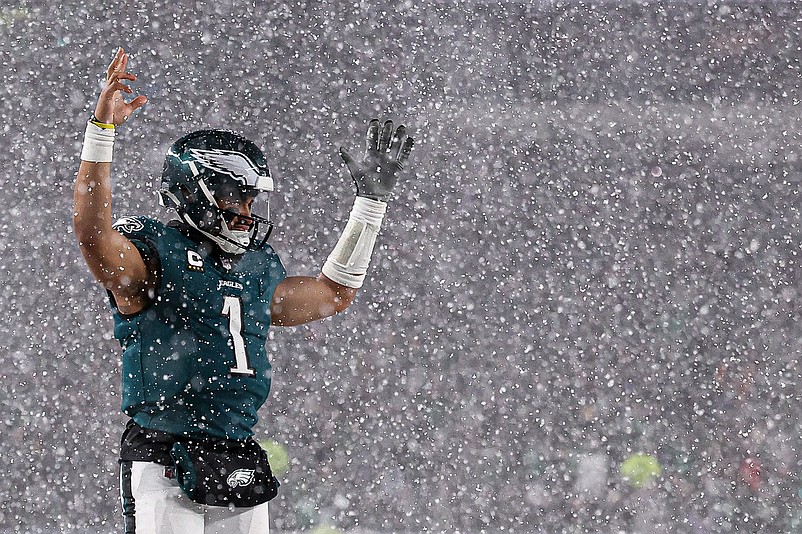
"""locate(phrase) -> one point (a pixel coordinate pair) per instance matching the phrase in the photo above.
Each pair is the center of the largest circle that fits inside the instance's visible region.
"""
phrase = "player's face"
(237, 205)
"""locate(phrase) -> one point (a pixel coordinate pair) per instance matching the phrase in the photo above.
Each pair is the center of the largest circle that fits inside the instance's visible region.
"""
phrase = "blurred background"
(583, 312)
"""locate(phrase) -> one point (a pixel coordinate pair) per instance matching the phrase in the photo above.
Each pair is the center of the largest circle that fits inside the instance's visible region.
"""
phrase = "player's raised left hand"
(386, 152)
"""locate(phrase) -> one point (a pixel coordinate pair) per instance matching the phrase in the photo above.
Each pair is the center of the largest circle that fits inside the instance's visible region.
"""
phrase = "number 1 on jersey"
(232, 308)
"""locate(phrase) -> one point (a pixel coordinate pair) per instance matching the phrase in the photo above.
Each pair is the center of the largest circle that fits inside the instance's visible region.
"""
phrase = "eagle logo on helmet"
(234, 164)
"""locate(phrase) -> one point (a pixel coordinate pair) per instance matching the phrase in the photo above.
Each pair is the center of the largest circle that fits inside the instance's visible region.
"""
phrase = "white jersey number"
(232, 308)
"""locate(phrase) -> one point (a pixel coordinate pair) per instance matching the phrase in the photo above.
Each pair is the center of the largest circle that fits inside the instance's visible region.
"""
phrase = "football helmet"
(211, 167)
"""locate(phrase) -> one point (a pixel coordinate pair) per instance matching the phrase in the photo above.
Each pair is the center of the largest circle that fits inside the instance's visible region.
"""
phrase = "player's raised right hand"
(111, 107)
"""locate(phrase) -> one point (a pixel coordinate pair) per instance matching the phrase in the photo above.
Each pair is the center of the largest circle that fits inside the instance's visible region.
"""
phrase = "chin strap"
(233, 242)
(348, 263)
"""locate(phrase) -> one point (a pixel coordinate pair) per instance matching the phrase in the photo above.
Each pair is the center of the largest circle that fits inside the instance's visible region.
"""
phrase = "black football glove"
(385, 155)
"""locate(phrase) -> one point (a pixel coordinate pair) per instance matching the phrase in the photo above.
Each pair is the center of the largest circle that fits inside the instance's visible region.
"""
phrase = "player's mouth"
(238, 222)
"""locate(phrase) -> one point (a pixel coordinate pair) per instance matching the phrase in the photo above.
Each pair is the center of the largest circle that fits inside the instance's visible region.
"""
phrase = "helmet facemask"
(234, 232)
(202, 211)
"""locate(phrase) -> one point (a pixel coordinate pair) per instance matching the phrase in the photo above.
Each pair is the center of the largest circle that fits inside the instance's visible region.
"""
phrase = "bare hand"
(111, 107)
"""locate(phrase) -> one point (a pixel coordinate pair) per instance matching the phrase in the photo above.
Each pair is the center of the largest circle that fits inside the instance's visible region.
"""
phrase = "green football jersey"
(194, 362)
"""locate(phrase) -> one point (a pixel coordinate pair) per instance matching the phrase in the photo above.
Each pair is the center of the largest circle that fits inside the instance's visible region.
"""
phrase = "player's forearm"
(92, 216)
(300, 299)
(106, 251)
(348, 263)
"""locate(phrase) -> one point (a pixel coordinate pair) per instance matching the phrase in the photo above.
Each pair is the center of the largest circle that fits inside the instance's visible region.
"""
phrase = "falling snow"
(581, 316)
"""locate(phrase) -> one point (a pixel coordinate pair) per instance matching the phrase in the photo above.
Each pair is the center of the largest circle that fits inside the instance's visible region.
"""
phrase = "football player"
(192, 303)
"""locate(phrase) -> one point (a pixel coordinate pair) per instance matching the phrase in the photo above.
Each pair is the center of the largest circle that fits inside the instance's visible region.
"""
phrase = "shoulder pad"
(138, 226)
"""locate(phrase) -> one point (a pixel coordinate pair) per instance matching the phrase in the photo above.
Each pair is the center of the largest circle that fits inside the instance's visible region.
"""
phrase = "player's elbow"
(86, 229)
(340, 297)
(343, 300)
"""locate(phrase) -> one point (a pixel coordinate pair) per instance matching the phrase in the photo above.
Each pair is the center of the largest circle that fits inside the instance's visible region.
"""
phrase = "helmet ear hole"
(209, 220)
(187, 194)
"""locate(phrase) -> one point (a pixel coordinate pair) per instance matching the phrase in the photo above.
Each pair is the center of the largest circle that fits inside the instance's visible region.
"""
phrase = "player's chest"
(207, 287)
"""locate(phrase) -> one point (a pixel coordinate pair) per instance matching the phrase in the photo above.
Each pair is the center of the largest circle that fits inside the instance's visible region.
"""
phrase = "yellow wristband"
(99, 124)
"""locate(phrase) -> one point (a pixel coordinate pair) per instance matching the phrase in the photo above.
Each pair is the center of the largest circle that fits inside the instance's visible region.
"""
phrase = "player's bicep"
(116, 263)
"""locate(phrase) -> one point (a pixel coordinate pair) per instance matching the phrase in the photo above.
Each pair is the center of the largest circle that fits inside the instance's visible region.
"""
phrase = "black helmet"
(198, 168)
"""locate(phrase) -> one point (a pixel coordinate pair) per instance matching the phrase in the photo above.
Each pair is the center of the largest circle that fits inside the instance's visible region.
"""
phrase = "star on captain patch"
(194, 261)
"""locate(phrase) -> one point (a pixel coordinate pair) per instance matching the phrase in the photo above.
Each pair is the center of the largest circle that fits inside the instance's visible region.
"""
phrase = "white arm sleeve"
(348, 262)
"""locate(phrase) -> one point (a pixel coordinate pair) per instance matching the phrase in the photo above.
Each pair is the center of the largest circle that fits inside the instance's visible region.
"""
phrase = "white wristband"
(348, 262)
(98, 144)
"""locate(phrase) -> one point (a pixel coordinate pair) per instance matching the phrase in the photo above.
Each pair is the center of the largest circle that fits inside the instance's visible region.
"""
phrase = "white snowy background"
(595, 254)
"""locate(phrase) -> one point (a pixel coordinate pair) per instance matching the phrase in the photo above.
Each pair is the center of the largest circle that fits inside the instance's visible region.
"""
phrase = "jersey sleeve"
(142, 232)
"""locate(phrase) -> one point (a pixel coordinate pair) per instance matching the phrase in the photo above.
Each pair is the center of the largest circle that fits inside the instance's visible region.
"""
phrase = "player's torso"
(195, 360)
